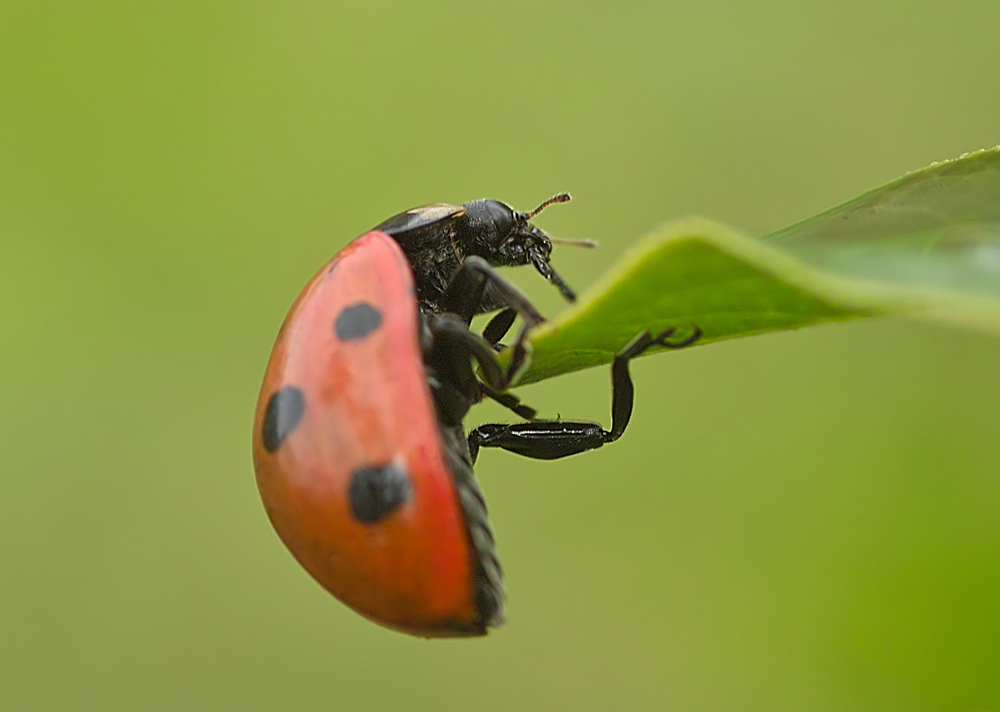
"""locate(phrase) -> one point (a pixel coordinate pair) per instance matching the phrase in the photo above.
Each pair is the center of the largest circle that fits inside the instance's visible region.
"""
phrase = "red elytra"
(345, 402)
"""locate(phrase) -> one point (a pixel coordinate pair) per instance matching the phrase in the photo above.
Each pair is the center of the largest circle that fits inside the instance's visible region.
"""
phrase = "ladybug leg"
(519, 356)
(549, 440)
(456, 388)
(539, 440)
(509, 400)
(499, 325)
(464, 293)
(453, 343)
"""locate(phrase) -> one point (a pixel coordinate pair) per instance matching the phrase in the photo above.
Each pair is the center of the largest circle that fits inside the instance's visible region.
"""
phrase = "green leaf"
(927, 244)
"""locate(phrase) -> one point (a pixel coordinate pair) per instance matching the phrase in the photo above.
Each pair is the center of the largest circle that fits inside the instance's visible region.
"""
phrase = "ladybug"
(362, 462)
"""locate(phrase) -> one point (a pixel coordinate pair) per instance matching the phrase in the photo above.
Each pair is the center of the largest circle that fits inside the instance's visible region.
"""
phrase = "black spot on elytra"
(284, 411)
(376, 490)
(357, 321)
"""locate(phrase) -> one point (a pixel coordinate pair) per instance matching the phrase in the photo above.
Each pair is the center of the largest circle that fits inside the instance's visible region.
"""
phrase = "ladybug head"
(506, 237)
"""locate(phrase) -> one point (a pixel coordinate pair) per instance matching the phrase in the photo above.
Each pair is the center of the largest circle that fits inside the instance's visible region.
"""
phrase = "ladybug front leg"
(464, 293)
(550, 440)
(464, 296)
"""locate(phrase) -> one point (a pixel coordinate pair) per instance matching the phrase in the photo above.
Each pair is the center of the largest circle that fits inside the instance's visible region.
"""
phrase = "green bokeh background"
(803, 521)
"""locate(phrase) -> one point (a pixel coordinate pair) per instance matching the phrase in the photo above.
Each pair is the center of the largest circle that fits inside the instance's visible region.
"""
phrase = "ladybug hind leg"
(550, 440)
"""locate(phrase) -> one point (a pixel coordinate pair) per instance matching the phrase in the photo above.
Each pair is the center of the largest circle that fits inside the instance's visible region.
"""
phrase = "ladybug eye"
(514, 245)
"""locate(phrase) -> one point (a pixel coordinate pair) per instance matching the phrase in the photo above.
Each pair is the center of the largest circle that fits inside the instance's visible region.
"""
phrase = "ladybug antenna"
(560, 198)
(545, 269)
(574, 243)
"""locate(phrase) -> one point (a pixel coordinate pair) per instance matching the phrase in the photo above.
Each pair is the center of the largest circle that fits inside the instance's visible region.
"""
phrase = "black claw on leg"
(662, 339)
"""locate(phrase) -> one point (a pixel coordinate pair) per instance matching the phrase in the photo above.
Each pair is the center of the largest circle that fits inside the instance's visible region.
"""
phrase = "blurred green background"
(803, 521)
